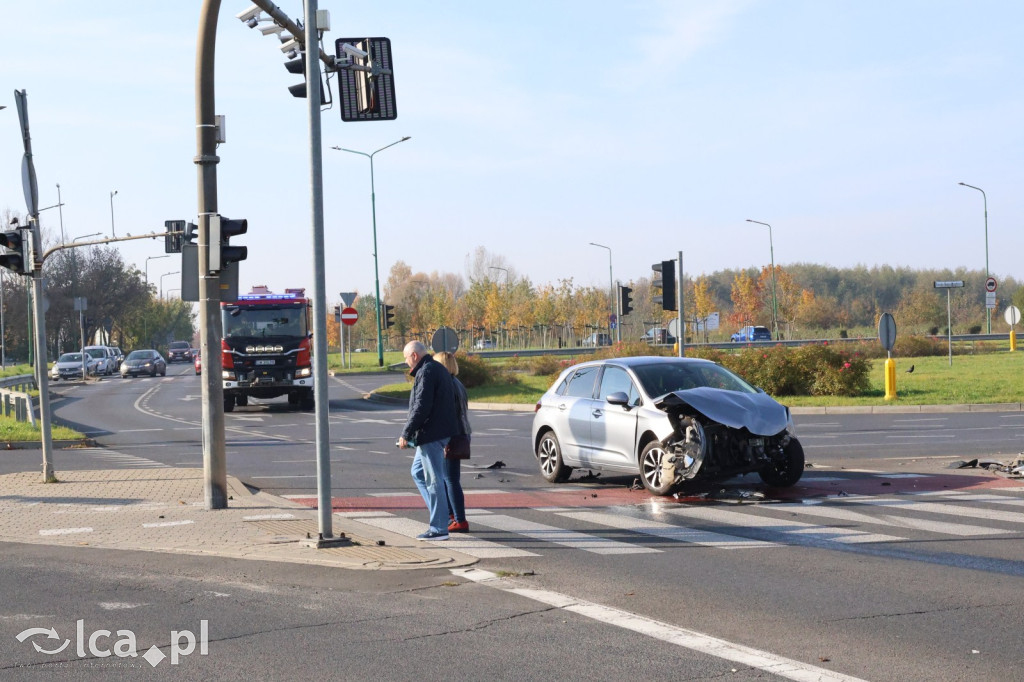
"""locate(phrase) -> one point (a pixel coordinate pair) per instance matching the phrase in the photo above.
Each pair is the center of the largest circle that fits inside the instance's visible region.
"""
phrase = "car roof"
(639, 360)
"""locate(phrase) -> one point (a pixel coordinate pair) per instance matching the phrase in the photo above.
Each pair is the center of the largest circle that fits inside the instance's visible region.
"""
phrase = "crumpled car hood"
(756, 412)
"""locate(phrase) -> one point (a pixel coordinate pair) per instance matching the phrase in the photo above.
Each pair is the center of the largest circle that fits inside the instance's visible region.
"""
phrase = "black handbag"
(458, 447)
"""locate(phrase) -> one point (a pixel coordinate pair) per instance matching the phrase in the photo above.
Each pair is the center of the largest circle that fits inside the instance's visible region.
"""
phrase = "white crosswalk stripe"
(122, 459)
(524, 532)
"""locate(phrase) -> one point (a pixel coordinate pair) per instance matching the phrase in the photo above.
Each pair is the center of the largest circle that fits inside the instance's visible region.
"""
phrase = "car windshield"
(97, 353)
(141, 355)
(179, 345)
(665, 377)
(70, 357)
(264, 321)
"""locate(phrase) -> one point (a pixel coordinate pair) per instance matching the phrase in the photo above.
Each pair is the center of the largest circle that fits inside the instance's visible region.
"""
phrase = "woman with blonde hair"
(457, 450)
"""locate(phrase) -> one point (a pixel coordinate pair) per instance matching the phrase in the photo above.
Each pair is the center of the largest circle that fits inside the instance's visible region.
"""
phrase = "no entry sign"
(349, 316)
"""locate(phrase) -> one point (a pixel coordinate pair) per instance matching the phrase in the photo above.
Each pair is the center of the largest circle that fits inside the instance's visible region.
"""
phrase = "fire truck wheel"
(243, 400)
(308, 403)
(229, 403)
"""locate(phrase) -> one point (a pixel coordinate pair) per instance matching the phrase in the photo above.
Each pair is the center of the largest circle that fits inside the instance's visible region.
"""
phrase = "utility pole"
(215, 477)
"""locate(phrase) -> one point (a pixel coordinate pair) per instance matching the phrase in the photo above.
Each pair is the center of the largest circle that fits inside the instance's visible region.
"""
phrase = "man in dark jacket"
(432, 421)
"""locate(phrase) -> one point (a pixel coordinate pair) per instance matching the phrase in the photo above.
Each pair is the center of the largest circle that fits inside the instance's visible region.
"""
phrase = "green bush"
(815, 369)
(543, 365)
(475, 371)
(628, 349)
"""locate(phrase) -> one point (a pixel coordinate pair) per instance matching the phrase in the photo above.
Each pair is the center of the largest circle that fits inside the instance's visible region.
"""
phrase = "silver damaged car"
(670, 420)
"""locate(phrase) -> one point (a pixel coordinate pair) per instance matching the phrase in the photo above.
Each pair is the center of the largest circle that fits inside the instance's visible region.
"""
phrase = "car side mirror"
(618, 398)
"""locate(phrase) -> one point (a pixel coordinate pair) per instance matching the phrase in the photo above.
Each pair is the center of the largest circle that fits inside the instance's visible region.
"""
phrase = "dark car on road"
(667, 420)
(144, 362)
(179, 351)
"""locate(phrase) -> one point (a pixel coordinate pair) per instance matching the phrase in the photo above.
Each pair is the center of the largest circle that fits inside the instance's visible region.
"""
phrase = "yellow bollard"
(890, 379)
(1013, 340)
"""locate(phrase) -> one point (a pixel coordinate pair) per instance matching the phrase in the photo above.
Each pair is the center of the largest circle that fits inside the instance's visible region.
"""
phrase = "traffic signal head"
(298, 67)
(14, 258)
(387, 317)
(667, 283)
(625, 300)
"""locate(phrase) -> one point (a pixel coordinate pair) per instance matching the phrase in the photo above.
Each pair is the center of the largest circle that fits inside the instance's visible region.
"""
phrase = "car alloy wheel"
(549, 456)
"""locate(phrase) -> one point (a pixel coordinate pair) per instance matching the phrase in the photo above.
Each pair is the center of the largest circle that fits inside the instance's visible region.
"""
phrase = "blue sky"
(537, 127)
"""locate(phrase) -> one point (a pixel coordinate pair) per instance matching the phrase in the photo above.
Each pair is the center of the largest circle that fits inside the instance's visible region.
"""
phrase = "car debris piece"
(497, 465)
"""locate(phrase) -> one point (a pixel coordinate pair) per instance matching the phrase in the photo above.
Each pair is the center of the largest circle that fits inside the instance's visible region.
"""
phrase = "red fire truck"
(267, 348)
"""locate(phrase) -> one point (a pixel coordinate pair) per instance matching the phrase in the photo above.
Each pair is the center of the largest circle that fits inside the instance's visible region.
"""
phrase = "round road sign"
(990, 284)
(1012, 315)
(349, 316)
(445, 339)
(887, 331)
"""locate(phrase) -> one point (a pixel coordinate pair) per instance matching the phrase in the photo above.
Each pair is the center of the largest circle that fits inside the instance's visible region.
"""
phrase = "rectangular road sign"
(949, 285)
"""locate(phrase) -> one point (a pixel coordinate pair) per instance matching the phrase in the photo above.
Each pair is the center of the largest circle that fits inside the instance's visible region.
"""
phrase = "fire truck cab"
(266, 350)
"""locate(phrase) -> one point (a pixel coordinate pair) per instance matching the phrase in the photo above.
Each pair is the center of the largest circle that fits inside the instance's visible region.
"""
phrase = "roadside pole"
(681, 341)
(215, 479)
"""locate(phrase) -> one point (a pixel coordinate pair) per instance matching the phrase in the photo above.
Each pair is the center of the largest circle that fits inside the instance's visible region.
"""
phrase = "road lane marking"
(163, 524)
(64, 531)
(667, 531)
(665, 632)
(466, 543)
(268, 517)
(948, 509)
(558, 536)
(830, 512)
(786, 527)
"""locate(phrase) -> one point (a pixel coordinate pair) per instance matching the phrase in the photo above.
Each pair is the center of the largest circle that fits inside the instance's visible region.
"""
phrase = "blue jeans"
(453, 485)
(428, 474)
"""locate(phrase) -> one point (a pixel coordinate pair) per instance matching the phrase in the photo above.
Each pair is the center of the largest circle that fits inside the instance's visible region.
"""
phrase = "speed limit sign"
(990, 284)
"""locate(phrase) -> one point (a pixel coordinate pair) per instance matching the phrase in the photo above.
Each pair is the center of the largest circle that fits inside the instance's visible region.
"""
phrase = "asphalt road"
(882, 564)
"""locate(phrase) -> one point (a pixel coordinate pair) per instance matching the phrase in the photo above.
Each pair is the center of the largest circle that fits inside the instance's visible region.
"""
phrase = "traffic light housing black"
(298, 67)
(232, 228)
(14, 258)
(667, 283)
(625, 300)
(387, 316)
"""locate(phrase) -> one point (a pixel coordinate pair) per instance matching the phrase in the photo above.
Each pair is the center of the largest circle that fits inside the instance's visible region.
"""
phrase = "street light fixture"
(376, 272)
(149, 258)
(176, 272)
(112, 194)
(775, 300)
(611, 289)
(988, 311)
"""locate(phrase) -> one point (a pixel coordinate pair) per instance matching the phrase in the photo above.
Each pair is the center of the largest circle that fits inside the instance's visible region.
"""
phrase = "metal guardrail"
(15, 400)
(725, 345)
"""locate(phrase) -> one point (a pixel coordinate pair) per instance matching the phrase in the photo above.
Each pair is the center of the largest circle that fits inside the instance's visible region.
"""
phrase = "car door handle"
(561, 407)
(597, 413)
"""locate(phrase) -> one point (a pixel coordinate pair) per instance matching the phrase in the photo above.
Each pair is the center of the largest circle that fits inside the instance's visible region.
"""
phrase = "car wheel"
(243, 400)
(229, 403)
(787, 471)
(654, 477)
(549, 456)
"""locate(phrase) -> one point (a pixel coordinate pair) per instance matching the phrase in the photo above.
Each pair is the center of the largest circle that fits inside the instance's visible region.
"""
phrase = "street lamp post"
(81, 312)
(112, 233)
(373, 208)
(988, 311)
(775, 300)
(149, 258)
(145, 314)
(611, 289)
(176, 272)
(178, 289)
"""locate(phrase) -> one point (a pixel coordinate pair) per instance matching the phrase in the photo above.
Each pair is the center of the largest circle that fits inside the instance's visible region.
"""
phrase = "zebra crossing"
(117, 460)
(657, 527)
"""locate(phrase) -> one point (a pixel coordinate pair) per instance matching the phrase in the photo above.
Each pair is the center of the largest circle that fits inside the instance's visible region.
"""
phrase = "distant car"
(752, 333)
(596, 339)
(179, 351)
(658, 335)
(483, 344)
(69, 366)
(666, 420)
(104, 357)
(360, 350)
(144, 362)
(118, 356)
(197, 360)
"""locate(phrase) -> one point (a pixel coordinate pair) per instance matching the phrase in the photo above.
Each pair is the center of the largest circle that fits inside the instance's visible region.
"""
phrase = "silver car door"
(574, 415)
(613, 427)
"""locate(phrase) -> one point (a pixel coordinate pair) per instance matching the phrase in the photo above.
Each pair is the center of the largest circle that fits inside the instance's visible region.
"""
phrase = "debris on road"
(497, 465)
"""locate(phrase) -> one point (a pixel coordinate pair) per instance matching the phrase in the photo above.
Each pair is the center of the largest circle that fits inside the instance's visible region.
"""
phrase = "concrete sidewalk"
(163, 510)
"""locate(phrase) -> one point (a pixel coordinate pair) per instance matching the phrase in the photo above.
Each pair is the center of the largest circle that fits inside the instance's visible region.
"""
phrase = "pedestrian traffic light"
(175, 231)
(667, 283)
(625, 300)
(14, 258)
(298, 66)
(387, 316)
(221, 251)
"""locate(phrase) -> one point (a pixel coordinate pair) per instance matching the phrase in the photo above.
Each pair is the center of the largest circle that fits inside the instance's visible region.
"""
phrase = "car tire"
(242, 400)
(787, 472)
(549, 457)
(651, 472)
(229, 403)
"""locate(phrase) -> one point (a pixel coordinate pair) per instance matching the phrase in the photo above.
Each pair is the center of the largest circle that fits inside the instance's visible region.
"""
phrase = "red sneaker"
(458, 527)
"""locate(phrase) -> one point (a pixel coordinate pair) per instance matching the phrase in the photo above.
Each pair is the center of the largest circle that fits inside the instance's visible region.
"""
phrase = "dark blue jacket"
(431, 404)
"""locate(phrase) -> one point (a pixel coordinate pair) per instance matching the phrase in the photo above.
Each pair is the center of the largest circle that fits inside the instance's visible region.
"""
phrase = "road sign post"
(887, 335)
(1012, 317)
(947, 285)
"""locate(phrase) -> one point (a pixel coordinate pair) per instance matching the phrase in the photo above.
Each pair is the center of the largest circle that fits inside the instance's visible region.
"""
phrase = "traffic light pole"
(42, 378)
(214, 465)
(681, 319)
